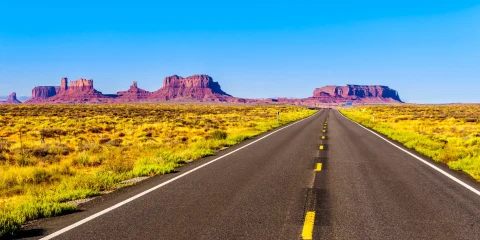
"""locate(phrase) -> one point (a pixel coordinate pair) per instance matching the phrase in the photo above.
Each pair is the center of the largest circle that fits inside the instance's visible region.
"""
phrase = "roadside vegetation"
(53, 154)
(445, 133)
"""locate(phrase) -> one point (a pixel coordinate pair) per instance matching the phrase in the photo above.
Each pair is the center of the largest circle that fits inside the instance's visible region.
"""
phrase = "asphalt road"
(366, 189)
(369, 189)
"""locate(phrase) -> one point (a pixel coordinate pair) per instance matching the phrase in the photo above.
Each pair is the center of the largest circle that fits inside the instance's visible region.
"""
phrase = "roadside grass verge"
(446, 133)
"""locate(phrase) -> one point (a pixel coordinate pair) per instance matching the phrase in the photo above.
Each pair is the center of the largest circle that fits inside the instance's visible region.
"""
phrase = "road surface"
(273, 187)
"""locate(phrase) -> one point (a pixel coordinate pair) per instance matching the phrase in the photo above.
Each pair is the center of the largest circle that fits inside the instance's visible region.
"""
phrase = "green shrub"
(83, 159)
(104, 140)
(40, 176)
(218, 135)
(95, 129)
(24, 160)
(116, 142)
(52, 133)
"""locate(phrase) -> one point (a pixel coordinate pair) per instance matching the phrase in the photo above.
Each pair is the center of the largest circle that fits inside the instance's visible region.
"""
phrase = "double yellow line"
(309, 223)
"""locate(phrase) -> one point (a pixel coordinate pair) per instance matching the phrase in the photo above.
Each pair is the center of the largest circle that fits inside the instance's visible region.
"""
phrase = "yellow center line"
(307, 232)
(323, 137)
(321, 147)
(324, 130)
(318, 168)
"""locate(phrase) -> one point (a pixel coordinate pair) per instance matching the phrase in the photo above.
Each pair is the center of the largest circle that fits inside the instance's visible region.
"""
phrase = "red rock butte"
(355, 93)
(202, 88)
(79, 91)
(196, 87)
(12, 99)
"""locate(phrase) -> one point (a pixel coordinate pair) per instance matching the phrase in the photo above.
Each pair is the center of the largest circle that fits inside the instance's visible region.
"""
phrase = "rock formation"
(133, 93)
(41, 93)
(12, 99)
(355, 93)
(195, 81)
(196, 87)
(79, 91)
(80, 85)
(175, 88)
(63, 85)
(202, 88)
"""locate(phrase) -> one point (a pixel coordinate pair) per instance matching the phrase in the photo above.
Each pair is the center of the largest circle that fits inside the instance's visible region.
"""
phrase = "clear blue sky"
(428, 50)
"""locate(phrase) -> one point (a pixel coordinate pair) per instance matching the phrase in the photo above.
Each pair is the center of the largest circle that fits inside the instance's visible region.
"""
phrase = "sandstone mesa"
(202, 88)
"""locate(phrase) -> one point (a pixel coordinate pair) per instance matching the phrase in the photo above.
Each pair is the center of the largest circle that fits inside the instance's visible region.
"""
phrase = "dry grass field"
(445, 133)
(53, 154)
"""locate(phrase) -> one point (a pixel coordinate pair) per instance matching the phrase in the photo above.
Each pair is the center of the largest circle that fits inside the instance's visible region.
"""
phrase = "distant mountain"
(355, 93)
(197, 88)
(13, 98)
(202, 88)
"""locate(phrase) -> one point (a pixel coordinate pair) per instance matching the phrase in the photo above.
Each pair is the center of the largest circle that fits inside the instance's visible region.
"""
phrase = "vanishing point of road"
(324, 177)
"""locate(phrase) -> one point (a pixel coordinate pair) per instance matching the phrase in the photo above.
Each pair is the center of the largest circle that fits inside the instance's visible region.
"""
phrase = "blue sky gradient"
(427, 50)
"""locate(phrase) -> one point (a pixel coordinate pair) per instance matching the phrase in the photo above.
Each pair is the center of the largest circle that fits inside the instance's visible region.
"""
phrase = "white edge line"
(85, 220)
(420, 159)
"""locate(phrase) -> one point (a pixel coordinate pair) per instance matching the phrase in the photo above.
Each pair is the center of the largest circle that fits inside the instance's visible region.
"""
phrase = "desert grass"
(53, 154)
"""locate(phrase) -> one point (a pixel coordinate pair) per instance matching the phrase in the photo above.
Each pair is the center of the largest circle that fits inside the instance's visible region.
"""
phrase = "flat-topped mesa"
(361, 93)
(40, 93)
(196, 87)
(195, 81)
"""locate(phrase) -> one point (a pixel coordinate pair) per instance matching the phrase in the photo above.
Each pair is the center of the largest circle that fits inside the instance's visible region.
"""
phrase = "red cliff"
(355, 93)
(63, 85)
(12, 99)
(41, 93)
(79, 86)
(193, 88)
(202, 88)
(79, 91)
(175, 88)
